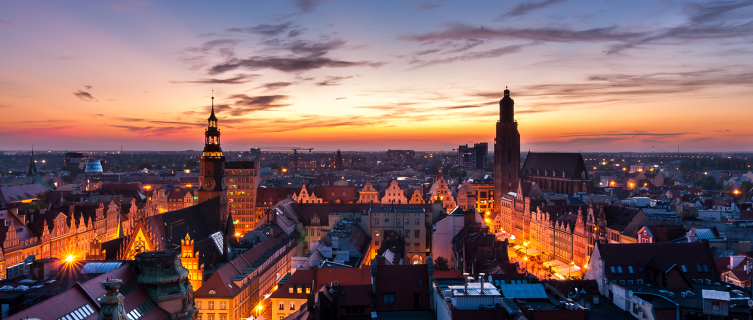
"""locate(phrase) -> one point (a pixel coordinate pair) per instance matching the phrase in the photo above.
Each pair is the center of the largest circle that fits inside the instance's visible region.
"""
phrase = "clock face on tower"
(208, 184)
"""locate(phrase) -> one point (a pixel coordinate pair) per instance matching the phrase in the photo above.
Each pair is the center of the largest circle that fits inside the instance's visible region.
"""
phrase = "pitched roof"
(344, 276)
(570, 163)
(658, 256)
(666, 233)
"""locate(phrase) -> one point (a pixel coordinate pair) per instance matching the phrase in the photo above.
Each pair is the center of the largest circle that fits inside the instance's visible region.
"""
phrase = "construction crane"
(295, 153)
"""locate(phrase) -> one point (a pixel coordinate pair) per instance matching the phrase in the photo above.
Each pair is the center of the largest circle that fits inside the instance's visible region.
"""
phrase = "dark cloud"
(308, 6)
(332, 81)
(264, 29)
(88, 87)
(526, 7)
(219, 108)
(465, 32)
(83, 95)
(6, 22)
(424, 7)
(196, 57)
(625, 134)
(493, 53)
(275, 85)
(304, 55)
(710, 21)
(238, 79)
(295, 33)
(294, 64)
(245, 104)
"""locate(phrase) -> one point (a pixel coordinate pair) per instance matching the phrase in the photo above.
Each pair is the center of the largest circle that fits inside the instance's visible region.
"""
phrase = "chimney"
(481, 280)
(465, 277)
(111, 303)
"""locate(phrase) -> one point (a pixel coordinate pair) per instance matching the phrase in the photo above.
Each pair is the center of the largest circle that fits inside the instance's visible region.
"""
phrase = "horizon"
(334, 74)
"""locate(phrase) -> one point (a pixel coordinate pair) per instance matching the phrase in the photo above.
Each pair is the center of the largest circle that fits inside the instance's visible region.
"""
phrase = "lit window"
(299, 289)
(211, 305)
(292, 306)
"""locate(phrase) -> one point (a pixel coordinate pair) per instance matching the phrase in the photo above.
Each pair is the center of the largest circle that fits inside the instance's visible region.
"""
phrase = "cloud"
(264, 29)
(238, 79)
(308, 6)
(6, 22)
(219, 108)
(332, 81)
(303, 55)
(548, 34)
(275, 85)
(526, 7)
(248, 104)
(493, 53)
(341, 98)
(625, 134)
(711, 21)
(99, 115)
(88, 87)
(293, 64)
(83, 95)
(428, 7)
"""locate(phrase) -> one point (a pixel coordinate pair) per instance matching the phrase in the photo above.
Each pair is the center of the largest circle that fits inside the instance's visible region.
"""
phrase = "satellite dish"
(750, 303)
(630, 293)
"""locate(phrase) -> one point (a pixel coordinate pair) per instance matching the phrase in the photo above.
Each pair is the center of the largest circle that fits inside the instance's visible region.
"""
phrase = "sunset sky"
(376, 74)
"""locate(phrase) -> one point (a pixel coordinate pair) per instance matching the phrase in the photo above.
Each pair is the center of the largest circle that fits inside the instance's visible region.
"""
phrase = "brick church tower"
(506, 150)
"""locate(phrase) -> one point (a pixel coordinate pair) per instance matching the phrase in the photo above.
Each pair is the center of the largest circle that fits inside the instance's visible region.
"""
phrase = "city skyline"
(332, 75)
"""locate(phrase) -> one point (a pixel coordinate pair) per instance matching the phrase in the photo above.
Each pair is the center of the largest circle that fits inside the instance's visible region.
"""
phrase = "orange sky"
(351, 75)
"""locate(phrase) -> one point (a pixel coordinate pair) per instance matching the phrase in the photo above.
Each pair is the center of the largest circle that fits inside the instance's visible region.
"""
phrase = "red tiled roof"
(344, 276)
(355, 295)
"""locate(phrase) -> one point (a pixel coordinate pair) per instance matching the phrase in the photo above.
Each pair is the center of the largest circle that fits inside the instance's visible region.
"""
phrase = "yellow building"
(190, 261)
(291, 295)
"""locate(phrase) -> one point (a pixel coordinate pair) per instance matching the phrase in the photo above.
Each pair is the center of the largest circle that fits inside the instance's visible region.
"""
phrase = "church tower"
(506, 150)
(212, 191)
(32, 165)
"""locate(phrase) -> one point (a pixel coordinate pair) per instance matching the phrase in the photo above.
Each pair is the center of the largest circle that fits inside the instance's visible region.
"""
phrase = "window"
(282, 316)
(376, 221)
(611, 269)
(417, 233)
(376, 243)
(407, 222)
(705, 268)
(683, 268)
(210, 317)
(388, 298)
(299, 289)
(282, 305)
(308, 290)
(619, 269)
(417, 246)
(222, 317)
(198, 304)
(211, 305)
(386, 220)
(698, 266)
(420, 281)
(292, 306)
(222, 305)
(417, 221)
(630, 269)
(407, 233)
(291, 289)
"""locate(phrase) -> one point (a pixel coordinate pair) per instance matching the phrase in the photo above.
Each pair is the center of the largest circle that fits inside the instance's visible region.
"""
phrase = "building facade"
(242, 179)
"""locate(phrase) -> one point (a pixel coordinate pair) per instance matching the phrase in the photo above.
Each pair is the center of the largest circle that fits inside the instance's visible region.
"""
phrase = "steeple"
(212, 135)
(32, 165)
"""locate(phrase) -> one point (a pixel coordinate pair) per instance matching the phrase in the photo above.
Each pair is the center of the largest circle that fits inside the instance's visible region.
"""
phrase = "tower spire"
(32, 164)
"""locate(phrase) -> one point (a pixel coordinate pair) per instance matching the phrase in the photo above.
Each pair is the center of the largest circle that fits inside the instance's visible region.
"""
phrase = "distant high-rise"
(473, 158)
(506, 149)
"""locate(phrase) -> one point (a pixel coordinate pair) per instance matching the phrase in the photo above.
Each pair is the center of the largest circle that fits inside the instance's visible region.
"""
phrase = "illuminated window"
(292, 306)
(211, 305)
(222, 305)
(299, 289)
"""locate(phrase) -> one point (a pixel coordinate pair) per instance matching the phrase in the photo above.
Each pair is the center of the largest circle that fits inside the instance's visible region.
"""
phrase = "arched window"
(212, 292)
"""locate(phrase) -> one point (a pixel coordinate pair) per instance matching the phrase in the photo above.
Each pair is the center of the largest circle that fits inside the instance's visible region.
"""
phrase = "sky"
(374, 75)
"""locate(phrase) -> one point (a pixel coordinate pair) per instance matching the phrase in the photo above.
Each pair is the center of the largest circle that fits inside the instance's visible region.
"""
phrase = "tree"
(441, 264)
(191, 163)
(67, 179)
(745, 187)
(144, 166)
